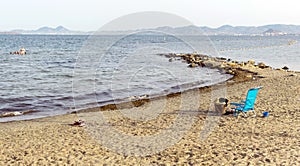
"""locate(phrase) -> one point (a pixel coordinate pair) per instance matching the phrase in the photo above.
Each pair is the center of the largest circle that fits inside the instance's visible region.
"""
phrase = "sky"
(90, 15)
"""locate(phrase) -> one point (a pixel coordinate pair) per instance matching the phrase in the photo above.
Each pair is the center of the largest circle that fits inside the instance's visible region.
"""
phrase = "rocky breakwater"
(238, 69)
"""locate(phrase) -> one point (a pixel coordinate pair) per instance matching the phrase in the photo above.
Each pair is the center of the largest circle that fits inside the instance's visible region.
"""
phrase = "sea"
(65, 73)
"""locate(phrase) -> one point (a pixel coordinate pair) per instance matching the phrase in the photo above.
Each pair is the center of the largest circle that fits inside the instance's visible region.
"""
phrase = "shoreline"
(240, 76)
(233, 141)
(234, 68)
(136, 101)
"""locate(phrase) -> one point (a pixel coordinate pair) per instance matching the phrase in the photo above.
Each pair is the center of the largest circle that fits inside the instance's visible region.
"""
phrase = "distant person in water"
(21, 52)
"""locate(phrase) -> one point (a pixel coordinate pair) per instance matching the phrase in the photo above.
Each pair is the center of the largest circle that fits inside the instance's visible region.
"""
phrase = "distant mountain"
(279, 29)
(60, 30)
(251, 30)
(272, 32)
(268, 30)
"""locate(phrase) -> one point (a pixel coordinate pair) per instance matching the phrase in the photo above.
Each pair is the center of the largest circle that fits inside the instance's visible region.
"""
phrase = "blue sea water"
(63, 73)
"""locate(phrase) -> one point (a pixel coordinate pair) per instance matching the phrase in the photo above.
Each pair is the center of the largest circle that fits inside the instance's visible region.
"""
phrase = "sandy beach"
(194, 138)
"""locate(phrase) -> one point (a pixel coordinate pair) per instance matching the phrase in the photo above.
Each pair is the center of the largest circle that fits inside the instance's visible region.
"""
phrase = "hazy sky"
(92, 14)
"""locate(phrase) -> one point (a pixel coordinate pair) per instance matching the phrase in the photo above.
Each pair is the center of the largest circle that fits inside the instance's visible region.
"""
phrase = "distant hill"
(251, 30)
(267, 30)
(60, 30)
(272, 32)
(278, 29)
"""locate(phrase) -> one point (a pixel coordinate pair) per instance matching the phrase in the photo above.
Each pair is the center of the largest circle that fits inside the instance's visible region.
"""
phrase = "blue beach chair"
(248, 104)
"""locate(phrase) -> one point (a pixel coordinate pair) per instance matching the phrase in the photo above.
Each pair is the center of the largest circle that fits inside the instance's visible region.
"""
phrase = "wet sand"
(195, 135)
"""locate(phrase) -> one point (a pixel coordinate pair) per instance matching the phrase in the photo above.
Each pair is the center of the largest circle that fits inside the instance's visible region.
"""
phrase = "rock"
(198, 59)
(222, 66)
(22, 51)
(223, 59)
(9, 114)
(192, 57)
(260, 76)
(192, 65)
(230, 72)
(207, 64)
(293, 74)
(262, 65)
(190, 60)
(251, 62)
(242, 64)
(267, 160)
(211, 64)
(280, 69)
(79, 123)
(249, 75)
(201, 64)
(231, 64)
(133, 98)
(285, 68)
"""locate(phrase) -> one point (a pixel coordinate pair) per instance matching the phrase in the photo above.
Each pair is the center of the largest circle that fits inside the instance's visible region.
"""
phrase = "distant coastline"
(60, 30)
(266, 30)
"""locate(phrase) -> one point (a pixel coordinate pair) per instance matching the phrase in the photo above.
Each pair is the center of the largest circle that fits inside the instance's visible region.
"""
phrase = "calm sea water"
(61, 74)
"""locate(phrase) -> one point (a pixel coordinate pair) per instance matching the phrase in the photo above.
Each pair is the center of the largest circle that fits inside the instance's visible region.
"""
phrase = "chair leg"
(245, 115)
(236, 113)
(254, 113)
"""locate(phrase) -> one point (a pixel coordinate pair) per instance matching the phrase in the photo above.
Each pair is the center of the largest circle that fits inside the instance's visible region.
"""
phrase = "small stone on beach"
(285, 68)
(79, 123)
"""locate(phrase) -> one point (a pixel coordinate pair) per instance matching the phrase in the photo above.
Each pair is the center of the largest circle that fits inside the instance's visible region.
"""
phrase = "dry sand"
(223, 140)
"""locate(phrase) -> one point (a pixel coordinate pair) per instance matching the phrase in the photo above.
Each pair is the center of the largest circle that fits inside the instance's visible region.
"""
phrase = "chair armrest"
(236, 104)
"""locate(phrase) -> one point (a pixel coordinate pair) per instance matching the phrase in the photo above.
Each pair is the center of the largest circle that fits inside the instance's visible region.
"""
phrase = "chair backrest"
(250, 99)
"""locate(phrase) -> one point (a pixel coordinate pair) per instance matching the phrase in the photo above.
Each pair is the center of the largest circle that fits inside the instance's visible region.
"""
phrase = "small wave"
(57, 53)
(22, 105)
(68, 67)
(65, 98)
(45, 71)
(104, 94)
(58, 105)
(16, 99)
(59, 75)
(66, 75)
(35, 78)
